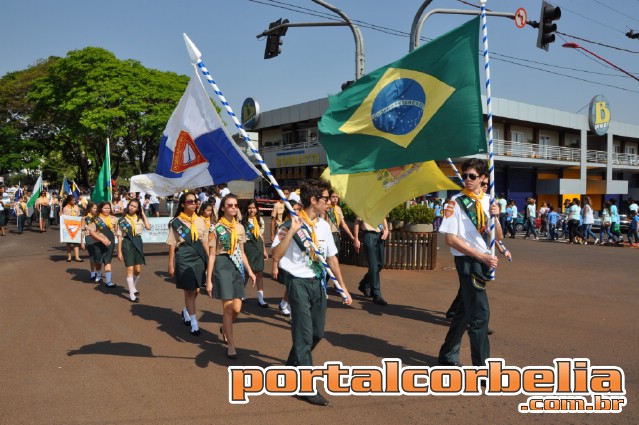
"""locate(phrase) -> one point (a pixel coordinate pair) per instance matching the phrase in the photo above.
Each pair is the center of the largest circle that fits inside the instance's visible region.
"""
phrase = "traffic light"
(549, 13)
(632, 34)
(273, 41)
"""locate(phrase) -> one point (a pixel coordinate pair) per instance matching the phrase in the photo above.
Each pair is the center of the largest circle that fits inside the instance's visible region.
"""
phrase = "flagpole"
(196, 58)
(489, 113)
(109, 187)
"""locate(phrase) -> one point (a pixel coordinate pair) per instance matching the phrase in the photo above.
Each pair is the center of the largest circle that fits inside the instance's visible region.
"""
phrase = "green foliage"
(420, 214)
(349, 215)
(397, 214)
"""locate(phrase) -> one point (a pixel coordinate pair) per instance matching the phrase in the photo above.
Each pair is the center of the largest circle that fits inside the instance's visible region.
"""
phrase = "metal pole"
(359, 41)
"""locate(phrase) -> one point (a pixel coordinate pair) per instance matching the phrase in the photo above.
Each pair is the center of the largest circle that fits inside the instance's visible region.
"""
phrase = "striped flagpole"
(491, 160)
(196, 57)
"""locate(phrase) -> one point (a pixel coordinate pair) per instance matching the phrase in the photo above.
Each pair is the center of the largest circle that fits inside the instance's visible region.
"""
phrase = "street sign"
(521, 17)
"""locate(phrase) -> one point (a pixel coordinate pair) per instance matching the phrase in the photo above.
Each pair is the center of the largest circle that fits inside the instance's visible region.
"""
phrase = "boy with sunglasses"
(466, 229)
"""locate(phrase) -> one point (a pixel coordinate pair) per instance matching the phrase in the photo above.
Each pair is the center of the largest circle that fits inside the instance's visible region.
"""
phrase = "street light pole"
(577, 46)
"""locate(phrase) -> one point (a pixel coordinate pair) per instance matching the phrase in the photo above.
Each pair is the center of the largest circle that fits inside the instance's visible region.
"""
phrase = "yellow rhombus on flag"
(373, 194)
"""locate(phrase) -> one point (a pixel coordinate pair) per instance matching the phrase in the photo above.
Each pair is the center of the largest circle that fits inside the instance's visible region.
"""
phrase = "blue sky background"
(316, 61)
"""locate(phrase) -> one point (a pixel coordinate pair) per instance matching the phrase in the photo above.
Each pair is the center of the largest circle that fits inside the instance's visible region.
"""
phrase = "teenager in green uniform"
(305, 278)
(227, 268)
(130, 246)
(87, 241)
(254, 246)
(188, 255)
(466, 229)
(374, 248)
(103, 229)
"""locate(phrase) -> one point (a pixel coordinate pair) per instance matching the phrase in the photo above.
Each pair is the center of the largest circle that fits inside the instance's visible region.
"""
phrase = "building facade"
(539, 152)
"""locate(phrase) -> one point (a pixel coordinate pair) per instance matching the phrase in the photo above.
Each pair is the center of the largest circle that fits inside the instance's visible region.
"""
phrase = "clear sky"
(316, 61)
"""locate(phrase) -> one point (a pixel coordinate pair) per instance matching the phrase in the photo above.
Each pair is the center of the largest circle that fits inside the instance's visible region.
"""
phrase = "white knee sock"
(260, 296)
(98, 276)
(185, 314)
(107, 277)
(129, 282)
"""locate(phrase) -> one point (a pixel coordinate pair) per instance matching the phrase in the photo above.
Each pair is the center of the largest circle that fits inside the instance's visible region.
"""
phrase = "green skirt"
(190, 269)
(131, 254)
(227, 280)
(254, 250)
(102, 254)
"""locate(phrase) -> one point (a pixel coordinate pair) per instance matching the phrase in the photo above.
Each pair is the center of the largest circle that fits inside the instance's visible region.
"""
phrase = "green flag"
(425, 106)
(102, 190)
(36, 193)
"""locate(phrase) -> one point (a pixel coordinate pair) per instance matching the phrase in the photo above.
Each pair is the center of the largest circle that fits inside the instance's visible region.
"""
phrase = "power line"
(615, 10)
(591, 20)
(598, 43)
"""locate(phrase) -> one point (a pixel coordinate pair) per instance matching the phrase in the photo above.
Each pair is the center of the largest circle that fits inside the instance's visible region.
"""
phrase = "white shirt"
(294, 261)
(633, 207)
(224, 192)
(457, 223)
(293, 196)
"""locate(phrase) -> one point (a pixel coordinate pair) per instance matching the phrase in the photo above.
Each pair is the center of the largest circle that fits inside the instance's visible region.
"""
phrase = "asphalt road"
(75, 353)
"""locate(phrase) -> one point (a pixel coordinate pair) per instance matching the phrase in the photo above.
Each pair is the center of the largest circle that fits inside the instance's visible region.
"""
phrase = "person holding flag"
(70, 207)
(188, 255)
(227, 268)
(102, 230)
(465, 226)
(130, 246)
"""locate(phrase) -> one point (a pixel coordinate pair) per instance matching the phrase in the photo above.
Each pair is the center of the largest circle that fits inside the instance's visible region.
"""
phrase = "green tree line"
(56, 115)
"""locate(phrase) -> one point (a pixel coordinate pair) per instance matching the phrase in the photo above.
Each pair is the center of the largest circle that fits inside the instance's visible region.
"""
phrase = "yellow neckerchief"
(310, 224)
(207, 222)
(481, 217)
(230, 225)
(335, 207)
(107, 221)
(194, 235)
(73, 214)
(256, 227)
(24, 206)
(132, 219)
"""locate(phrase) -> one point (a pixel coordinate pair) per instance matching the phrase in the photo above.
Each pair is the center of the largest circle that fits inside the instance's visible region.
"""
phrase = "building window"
(519, 149)
(617, 148)
(544, 142)
(301, 136)
(630, 150)
(287, 138)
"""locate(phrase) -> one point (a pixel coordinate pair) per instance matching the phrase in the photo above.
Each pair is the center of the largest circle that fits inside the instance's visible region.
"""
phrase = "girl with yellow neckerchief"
(130, 246)
(69, 207)
(254, 246)
(227, 267)
(103, 229)
(188, 255)
(91, 211)
(206, 212)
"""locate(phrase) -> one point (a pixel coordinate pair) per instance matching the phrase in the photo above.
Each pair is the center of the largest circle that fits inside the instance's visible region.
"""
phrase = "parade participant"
(90, 212)
(531, 216)
(227, 268)
(606, 223)
(69, 207)
(254, 247)
(305, 278)
(43, 205)
(188, 255)
(466, 230)
(206, 213)
(588, 219)
(102, 230)
(374, 238)
(280, 277)
(278, 214)
(130, 246)
(21, 213)
(615, 220)
(4, 213)
(54, 215)
(117, 205)
(335, 218)
(574, 216)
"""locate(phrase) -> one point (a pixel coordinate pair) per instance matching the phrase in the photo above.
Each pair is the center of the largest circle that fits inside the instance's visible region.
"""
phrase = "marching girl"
(188, 255)
(206, 212)
(44, 208)
(103, 229)
(227, 265)
(69, 207)
(117, 205)
(87, 241)
(130, 247)
(254, 247)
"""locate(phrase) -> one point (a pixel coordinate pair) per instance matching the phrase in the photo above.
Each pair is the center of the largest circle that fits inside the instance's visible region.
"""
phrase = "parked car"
(520, 223)
(624, 224)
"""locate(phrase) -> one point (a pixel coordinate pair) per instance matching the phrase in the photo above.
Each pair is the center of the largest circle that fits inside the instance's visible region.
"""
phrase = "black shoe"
(443, 362)
(317, 400)
(450, 314)
(490, 331)
(111, 285)
(136, 300)
(136, 293)
(265, 305)
(379, 300)
(364, 290)
(231, 356)
(195, 332)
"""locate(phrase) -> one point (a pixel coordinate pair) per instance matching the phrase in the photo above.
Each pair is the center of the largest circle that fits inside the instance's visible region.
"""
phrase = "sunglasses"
(230, 206)
(325, 198)
(484, 184)
(190, 201)
(473, 177)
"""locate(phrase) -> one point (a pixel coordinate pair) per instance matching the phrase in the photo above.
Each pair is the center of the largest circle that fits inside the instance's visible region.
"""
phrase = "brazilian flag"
(425, 106)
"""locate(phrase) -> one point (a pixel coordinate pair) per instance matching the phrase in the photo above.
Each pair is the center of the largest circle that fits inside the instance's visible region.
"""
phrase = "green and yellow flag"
(425, 106)
(372, 195)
